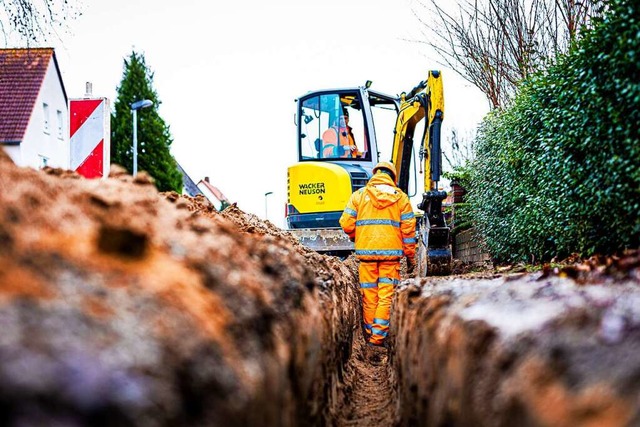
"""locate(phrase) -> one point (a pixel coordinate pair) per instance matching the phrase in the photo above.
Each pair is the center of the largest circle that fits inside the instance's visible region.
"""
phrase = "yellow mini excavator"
(341, 138)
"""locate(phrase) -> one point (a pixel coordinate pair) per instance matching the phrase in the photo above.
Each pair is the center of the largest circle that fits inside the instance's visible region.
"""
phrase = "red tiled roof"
(22, 72)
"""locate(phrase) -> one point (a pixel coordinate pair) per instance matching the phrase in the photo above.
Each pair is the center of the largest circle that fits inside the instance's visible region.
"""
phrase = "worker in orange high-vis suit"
(380, 219)
(338, 140)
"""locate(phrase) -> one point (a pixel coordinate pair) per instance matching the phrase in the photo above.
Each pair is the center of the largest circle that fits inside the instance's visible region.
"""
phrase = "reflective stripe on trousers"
(377, 281)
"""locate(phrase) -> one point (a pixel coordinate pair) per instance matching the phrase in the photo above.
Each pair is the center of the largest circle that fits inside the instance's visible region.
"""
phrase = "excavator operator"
(338, 141)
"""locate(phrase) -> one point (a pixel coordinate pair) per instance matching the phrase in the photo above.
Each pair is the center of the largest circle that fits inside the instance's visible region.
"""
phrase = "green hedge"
(558, 172)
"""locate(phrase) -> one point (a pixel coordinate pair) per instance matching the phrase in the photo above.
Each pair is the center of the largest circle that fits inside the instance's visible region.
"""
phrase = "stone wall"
(469, 248)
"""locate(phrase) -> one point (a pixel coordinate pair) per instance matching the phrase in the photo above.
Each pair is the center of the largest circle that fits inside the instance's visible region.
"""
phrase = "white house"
(215, 196)
(33, 108)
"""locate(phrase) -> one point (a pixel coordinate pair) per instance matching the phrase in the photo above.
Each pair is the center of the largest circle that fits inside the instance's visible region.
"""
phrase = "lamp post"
(134, 111)
(266, 215)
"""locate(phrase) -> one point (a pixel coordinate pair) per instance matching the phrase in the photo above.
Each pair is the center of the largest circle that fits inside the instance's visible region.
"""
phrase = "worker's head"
(386, 167)
(343, 119)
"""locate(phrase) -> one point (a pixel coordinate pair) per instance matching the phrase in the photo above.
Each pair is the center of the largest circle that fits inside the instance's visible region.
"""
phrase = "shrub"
(558, 172)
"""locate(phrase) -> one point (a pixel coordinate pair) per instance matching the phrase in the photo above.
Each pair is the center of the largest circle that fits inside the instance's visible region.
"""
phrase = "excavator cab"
(337, 150)
(332, 124)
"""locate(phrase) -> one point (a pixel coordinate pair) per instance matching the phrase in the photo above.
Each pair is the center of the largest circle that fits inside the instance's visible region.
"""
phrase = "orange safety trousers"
(377, 282)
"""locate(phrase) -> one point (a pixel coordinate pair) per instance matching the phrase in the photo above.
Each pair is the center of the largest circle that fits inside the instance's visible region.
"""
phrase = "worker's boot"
(376, 354)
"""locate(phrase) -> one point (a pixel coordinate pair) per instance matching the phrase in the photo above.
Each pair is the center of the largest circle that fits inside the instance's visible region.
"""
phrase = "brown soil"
(123, 306)
(368, 394)
(116, 301)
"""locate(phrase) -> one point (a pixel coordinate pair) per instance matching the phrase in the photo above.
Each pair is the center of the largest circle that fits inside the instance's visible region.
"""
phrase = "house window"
(45, 110)
(59, 122)
(44, 161)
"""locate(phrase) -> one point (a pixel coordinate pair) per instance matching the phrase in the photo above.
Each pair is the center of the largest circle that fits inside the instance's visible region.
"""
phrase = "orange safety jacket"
(335, 138)
(380, 218)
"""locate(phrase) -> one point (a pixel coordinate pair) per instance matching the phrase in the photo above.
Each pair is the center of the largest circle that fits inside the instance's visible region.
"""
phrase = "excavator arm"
(425, 102)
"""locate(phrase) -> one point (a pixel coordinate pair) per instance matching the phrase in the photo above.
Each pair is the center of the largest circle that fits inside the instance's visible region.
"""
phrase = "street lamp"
(266, 215)
(134, 110)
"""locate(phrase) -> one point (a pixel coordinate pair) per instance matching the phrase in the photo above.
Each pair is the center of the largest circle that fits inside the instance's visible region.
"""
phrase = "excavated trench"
(121, 306)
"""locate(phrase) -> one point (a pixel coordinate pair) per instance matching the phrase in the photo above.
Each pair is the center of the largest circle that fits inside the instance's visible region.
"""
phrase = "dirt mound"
(123, 306)
(558, 347)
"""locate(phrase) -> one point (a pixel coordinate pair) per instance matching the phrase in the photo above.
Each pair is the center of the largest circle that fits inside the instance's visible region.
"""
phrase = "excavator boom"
(425, 102)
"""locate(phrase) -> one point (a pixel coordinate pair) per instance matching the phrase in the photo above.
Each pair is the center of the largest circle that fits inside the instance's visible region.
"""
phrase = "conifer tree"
(154, 138)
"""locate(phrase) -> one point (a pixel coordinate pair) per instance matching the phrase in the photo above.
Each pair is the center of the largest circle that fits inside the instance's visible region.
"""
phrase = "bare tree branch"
(495, 44)
(462, 149)
(35, 20)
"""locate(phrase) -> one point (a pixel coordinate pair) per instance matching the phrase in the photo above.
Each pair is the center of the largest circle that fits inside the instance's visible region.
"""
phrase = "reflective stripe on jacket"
(380, 218)
(337, 143)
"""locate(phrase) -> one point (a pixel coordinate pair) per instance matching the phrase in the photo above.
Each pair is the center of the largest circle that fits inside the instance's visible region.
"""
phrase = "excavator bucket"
(439, 262)
(434, 256)
(329, 240)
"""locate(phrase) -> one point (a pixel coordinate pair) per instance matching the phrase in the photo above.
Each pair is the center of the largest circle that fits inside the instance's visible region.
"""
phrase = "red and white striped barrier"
(89, 131)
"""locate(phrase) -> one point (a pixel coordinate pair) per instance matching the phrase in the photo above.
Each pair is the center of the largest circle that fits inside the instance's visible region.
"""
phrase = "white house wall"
(14, 153)
(41, 148)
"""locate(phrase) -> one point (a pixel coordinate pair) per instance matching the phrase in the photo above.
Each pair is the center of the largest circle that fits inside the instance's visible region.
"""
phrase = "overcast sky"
(228, 72)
